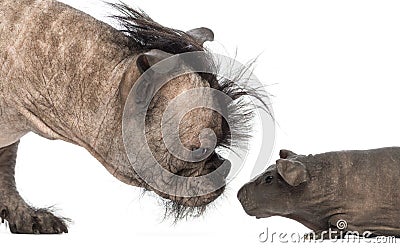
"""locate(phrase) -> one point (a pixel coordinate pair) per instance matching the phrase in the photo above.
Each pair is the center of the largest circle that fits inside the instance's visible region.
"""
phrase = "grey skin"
(359, 187)
(63, 76)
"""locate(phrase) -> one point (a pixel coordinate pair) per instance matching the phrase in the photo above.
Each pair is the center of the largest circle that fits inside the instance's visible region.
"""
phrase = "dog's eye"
(200, 152)
(269, 179)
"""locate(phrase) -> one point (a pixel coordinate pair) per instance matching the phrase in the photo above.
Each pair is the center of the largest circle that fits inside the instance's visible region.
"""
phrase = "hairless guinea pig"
(347, 191)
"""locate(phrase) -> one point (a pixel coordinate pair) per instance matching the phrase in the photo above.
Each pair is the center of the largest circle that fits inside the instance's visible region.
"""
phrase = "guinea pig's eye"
(269, 179)
(200, 152)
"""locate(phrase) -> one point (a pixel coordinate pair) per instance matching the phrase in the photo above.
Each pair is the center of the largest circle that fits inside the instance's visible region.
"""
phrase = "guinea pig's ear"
(286, 154)
(293, 172)
(201, 35)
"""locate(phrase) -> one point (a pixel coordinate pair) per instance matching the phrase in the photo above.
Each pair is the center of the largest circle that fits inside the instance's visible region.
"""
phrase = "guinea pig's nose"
(242, 194)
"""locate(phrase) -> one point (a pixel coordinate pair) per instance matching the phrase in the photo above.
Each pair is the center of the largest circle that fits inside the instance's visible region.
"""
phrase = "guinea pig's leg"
(338, 223)
(336, 228)
(21, 217)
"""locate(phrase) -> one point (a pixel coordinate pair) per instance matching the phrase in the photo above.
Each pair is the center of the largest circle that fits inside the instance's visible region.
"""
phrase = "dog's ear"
(146, 60)
(201, 35)
(142, 63)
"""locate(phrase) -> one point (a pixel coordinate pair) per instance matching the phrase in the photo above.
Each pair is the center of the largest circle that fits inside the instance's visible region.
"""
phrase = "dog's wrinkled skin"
(65, 75)
(320, 191)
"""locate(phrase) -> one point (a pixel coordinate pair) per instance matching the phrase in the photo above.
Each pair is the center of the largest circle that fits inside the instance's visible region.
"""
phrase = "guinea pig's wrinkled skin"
(323, 191)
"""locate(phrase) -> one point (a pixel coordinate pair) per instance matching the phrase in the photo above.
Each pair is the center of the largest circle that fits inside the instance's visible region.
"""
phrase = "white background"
(333, 68)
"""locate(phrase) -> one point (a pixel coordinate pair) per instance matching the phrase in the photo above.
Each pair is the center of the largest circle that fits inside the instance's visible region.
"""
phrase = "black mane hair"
(145, 34)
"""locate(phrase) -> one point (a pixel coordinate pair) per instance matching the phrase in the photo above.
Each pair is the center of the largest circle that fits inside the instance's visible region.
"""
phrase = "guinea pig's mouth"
(250, 207)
